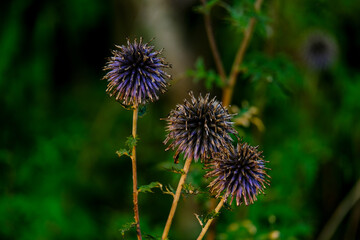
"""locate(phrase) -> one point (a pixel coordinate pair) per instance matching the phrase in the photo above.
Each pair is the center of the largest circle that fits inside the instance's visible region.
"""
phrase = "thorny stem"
(340, 212)
(208, 223)
(214, 50)
(176, 198)
(135, 189)
(229, 88)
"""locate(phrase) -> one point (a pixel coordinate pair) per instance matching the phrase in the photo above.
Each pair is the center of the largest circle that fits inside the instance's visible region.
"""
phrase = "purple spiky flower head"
(240, 175)
(135, 74)
(198, 128)
(319, 50)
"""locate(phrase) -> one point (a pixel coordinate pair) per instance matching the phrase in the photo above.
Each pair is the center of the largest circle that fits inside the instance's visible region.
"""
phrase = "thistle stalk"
(176, 198)
(208, 223)
(134, 174)
(212, 43)
(229, 88)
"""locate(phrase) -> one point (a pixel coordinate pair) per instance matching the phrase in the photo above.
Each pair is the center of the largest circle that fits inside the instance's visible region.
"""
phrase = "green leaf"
(127, 227)
(131, 142)
(209, 76)
(148, 188)
(122, 152)
(240, 13)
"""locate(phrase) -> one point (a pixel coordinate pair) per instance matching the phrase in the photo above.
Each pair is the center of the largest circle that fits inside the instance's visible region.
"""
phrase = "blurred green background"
(59, 175)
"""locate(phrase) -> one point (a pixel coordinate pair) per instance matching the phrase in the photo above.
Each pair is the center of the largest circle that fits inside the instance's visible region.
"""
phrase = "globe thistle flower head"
(135, 73)
(240, 175)
(198, 128)
(319, 51)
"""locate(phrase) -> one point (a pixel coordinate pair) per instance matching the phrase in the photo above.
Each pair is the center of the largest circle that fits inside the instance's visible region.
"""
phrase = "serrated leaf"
(131, 142)
(122, 152)
(240, 13)
(127, 227)
(148, 188)
(209, 76)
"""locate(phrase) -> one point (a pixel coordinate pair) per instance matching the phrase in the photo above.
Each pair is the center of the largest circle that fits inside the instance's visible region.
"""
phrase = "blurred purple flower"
(198, 128)
(135, 74)
(240, 174)
(319, 51)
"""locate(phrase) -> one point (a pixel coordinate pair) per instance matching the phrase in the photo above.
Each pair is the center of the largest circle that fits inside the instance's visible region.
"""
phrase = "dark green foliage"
(239, 13)
(210, 77)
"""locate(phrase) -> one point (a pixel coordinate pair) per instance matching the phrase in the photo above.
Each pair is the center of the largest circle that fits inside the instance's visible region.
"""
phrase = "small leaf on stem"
(123, 152)
(131, 142)
(148, 188)
(127, 227)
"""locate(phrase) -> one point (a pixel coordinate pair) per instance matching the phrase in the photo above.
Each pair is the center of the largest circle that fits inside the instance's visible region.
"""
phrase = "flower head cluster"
(135, 74)
(240, 175)
(319, 51)
(198, 128)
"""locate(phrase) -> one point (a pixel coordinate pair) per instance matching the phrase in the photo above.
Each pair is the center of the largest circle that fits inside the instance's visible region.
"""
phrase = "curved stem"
(212, 42)
(211, 233)
(134, 174)
(176, 198)
(229, 88)
(340, 212)
(208, 223)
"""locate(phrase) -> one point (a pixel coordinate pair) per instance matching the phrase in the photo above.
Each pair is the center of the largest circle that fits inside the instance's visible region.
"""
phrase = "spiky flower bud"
(135, 74)
(240, 175)
(319, 51)
(198, 128)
